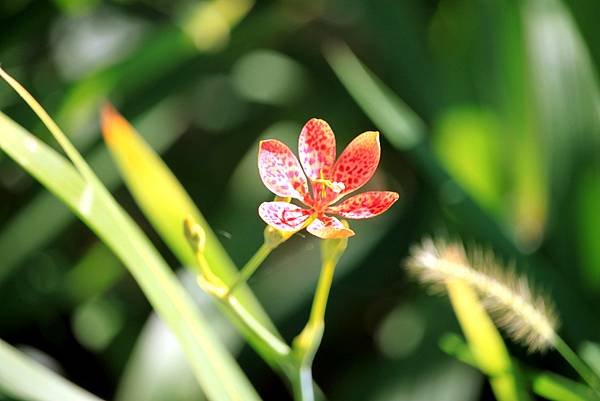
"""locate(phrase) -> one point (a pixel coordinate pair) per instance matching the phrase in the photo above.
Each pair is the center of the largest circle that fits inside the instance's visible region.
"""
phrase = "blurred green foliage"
(496, 138)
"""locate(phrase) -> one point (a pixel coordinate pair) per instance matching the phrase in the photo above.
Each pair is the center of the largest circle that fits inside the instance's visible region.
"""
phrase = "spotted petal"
(283, 216)
(280, 171)
(316, 147)
(357, 163)
(365, 205)
(327, 227)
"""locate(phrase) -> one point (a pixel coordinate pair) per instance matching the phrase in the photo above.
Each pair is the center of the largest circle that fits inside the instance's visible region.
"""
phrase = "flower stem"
(305, 345)
(275, 351)
(309, 339)
(302, 384)
(317, 312)
(251, 266)
(586, 373)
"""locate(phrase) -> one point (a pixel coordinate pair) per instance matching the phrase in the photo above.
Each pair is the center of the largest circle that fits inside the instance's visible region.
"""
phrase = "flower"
(330, 180)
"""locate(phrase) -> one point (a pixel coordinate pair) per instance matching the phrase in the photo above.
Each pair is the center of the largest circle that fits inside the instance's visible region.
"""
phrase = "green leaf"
(45, 217)
(563, 80)
(401, 126)
(467, 141)
(166, 204)
(548, 385)
(587, 219)
(165, 376)
(215, 369)
(23, 378)
(486, 343)
(558, 388)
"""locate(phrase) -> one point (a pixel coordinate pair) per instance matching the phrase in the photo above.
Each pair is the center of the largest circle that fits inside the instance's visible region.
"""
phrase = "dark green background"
(508, 94)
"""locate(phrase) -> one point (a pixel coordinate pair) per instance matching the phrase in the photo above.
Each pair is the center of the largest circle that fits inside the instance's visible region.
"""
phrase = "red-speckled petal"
(283, 216)
(357, 163)
(280, 171)
(316, 148)
(327, 227)
(365, 205)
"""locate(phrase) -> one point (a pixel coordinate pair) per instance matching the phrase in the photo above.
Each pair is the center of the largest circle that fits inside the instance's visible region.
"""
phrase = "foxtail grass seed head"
(526, 316)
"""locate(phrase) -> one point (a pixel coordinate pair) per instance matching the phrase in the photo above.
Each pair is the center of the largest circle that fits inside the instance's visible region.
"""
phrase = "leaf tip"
(112, 122)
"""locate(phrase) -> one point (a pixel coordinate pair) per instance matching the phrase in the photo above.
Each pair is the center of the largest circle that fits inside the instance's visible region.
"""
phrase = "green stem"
(303, 385)
(305, 345)
(281, 349)
(260, 333)
(586, 373)
(308, 341)
(251, 266)
(317, 312)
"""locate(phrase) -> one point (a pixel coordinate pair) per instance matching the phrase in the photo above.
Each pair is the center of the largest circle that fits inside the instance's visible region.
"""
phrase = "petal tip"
(373, 135)
(339, 234)
(271, 145)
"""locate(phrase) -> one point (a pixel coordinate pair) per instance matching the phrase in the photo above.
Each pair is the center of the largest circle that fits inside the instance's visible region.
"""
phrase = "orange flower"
(330, 180)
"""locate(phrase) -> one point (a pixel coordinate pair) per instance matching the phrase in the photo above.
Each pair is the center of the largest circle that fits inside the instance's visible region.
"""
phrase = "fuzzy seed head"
(525, 315)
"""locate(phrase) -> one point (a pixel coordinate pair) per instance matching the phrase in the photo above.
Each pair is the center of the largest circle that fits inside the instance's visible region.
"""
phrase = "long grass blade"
(25, 379)
(45, 217)
(548, 385)
(166, 204)
(215, 369)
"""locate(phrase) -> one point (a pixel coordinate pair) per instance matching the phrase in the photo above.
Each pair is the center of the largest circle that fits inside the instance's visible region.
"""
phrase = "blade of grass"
(527, 194)
(548, 385)
(560, 67)
(18, 236)
(215, 369)
(401, 126)
(25, 379)
(45, 217)
(484, 339)
(166, 204)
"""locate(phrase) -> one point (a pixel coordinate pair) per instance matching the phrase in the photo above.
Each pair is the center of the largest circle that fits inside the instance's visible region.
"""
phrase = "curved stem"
(586, 373)
(279, 347)
(251, 266)
(317, 312)
(309, 339)
(261, 335)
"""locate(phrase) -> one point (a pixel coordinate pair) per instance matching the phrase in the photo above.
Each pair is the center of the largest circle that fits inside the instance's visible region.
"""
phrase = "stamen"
(335, 186)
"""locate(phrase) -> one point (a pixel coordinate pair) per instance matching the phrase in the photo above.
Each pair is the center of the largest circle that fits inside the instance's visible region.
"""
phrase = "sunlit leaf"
(548, 385)
(567, 95)
(402, 126)
(44, 217)
(166, 203)
(587, 199)
(467, 141)
(215, 369)
(527, 198)
(486, 343)
(156, 369)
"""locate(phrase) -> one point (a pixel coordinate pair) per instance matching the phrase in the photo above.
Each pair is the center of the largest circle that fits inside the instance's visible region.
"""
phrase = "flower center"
(321, 194)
